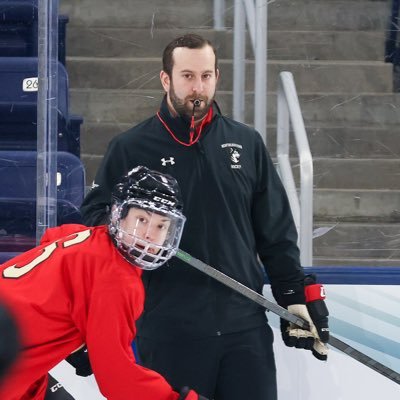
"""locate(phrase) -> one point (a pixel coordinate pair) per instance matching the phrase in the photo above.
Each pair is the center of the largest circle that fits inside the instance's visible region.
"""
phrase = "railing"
(289, 113)
(255, 12)
(219, 15)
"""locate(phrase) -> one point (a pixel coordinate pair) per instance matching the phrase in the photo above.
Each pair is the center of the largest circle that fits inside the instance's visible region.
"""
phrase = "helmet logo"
(164, 201)
(165, 161)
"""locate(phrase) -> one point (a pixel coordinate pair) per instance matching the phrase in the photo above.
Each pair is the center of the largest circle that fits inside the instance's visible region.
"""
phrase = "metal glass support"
(289, 111)
(255, 12)
(251, 21)
(239, 67)
(219, 12)
(46, 195)
(260, 73)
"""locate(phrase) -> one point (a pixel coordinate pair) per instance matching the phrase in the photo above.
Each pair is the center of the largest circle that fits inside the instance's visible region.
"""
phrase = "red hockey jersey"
(74, 289)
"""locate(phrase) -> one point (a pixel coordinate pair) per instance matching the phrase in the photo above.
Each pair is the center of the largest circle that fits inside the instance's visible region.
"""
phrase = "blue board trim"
(345, 275)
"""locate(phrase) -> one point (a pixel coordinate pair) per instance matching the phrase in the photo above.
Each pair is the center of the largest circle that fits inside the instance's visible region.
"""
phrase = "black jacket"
(237, 211)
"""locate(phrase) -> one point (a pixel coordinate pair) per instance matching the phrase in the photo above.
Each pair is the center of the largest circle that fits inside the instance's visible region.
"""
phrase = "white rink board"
(80, 388)
(372, 308)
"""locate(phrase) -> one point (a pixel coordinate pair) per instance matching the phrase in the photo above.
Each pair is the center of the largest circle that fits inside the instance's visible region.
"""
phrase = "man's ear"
(165, 81)
(217, 74)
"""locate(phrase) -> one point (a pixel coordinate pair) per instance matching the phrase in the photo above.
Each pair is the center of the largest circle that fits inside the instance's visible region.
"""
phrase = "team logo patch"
(234, 154)
(165, 161)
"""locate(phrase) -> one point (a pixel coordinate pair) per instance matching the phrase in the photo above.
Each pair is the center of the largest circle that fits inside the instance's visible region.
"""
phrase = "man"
(238, 214)
(82, 286)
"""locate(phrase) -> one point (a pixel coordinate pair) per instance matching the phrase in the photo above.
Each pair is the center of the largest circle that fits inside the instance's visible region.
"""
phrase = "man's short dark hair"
(191, 41)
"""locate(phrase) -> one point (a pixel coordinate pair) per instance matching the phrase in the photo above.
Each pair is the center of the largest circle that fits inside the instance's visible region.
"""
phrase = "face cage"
(137, 252)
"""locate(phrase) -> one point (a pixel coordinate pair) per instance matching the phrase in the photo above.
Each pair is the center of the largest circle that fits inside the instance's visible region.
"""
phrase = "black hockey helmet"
(152, 234)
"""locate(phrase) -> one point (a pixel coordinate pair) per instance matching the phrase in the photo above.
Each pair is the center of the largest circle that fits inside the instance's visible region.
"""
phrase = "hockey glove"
(315, 296)
(80, 361)
(294, 336)
(188, 394)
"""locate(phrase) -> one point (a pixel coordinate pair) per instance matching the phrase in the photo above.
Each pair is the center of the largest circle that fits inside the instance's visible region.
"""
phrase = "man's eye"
(187, 76)
(207, 76)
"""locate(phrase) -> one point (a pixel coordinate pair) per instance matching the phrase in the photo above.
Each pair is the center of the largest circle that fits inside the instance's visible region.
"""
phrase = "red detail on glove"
(314, 292)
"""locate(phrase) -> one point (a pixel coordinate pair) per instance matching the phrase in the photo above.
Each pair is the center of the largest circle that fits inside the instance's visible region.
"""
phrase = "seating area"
(19, 29)
(18, 130)
(18, 107)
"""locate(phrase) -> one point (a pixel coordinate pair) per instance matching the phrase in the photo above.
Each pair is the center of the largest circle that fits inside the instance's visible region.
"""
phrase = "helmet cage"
(138, 250)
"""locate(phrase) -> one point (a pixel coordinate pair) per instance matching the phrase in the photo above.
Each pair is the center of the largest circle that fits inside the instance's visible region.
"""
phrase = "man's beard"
(184, 107)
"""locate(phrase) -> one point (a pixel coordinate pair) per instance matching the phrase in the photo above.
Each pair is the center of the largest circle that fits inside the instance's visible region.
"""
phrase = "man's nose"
(198, 85)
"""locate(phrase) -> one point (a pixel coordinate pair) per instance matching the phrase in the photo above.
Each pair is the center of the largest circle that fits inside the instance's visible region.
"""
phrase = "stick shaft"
(285, 314)
(242, 289)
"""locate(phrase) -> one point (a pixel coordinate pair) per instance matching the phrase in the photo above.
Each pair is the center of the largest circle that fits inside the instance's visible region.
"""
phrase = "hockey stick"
(285, 314)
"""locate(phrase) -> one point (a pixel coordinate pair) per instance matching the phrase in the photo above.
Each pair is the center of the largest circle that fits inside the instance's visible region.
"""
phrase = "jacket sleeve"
(110, 331)
(95, 206)
(276, 233)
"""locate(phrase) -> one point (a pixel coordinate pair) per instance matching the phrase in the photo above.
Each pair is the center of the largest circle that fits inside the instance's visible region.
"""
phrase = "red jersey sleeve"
(110, 331)
(59, 232)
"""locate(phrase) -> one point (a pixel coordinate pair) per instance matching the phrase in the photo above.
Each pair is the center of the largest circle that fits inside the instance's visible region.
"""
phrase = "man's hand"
(188, 394)
(316, 313)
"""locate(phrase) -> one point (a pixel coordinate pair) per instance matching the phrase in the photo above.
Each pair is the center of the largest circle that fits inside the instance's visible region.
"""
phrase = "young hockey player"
(82, 286)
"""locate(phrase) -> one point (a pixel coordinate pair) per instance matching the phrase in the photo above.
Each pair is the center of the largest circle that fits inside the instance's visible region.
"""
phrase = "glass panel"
(35, 126)
(349, 100)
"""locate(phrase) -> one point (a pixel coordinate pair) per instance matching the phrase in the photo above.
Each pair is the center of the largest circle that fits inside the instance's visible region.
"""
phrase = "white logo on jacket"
(234, 154)
(165, 161)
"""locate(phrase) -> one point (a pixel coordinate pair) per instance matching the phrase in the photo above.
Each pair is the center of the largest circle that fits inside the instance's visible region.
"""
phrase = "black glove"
(316, 314)
(80, 361)
(188, 394)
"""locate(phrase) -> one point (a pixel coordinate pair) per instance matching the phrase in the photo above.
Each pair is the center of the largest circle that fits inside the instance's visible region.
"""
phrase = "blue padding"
(5, 256)
(345, 275)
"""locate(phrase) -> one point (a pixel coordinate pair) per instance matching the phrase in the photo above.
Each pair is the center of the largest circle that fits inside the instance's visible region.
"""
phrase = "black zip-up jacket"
(238, 219)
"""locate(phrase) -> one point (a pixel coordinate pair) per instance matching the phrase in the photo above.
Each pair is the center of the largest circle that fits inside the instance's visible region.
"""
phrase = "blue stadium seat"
(18, 196)
(5, 256)
(18, 107)
(19, 29)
